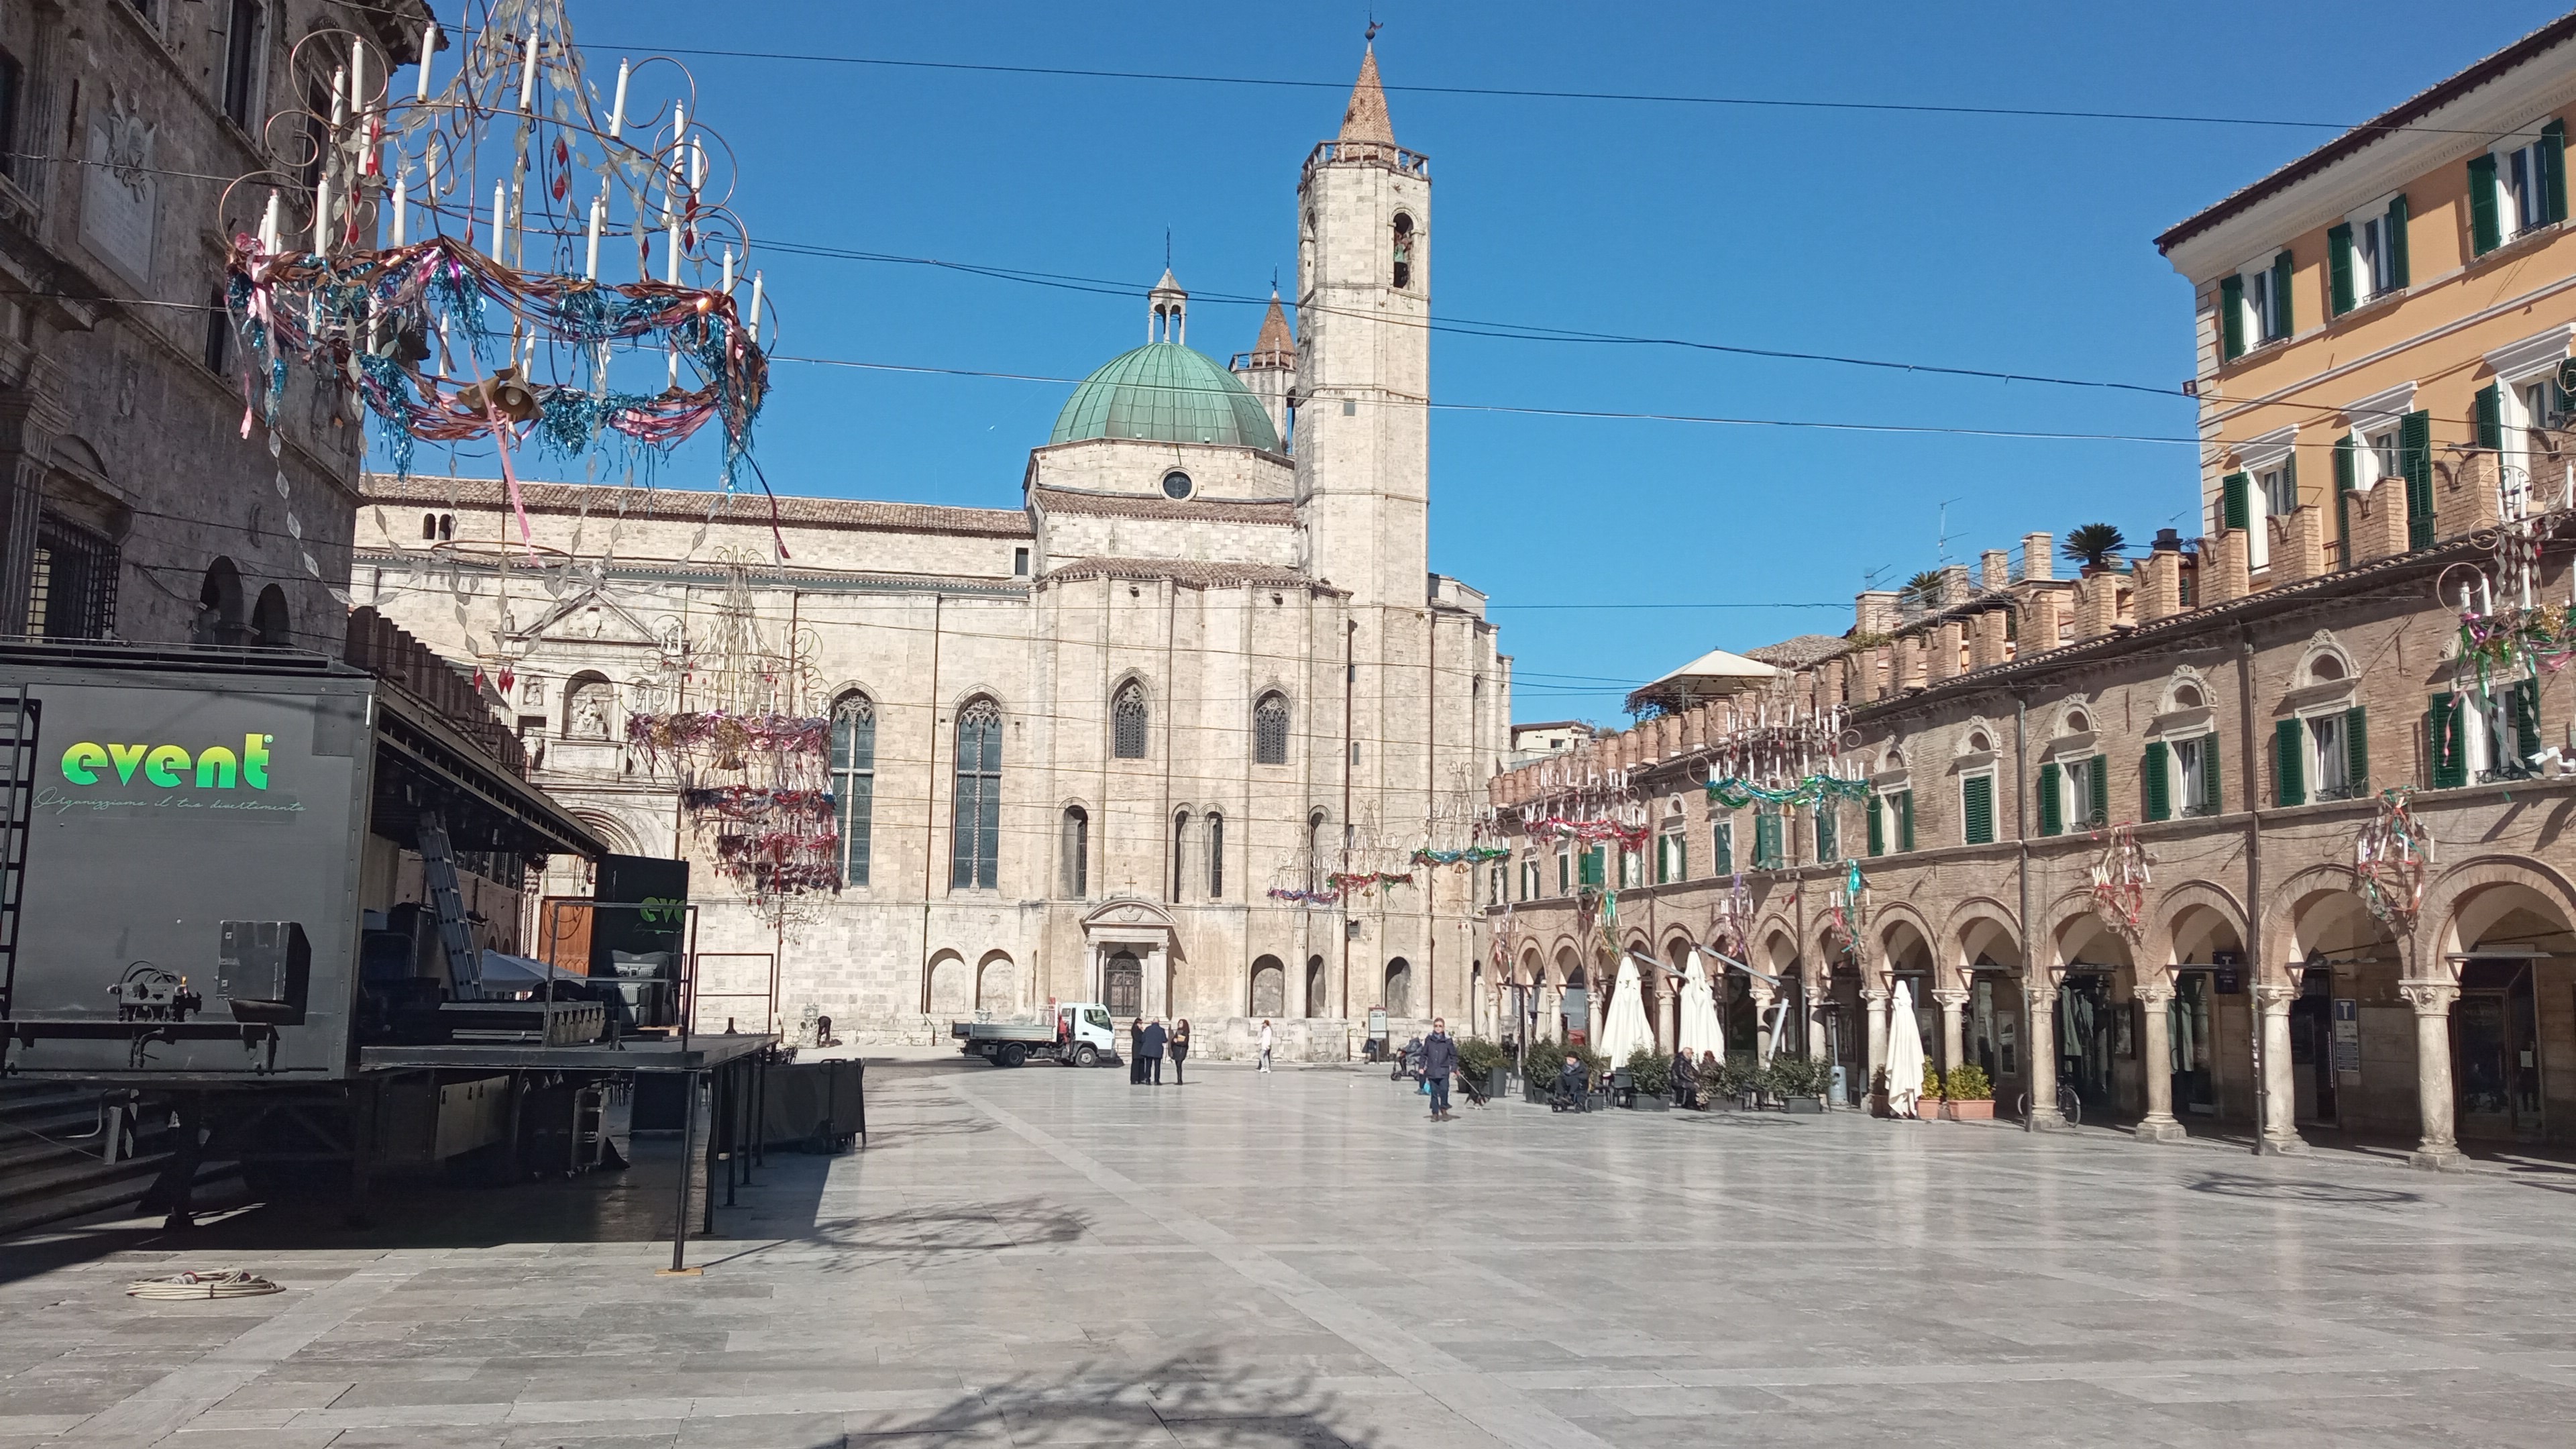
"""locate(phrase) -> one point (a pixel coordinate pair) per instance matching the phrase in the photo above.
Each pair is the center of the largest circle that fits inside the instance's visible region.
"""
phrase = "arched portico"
(1120, 931)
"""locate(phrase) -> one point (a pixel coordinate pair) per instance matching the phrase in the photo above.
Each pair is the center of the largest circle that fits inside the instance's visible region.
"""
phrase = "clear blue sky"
(2002, 243)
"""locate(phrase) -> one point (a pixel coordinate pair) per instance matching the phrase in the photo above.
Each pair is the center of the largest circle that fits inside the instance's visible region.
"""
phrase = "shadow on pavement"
(1196, 1400)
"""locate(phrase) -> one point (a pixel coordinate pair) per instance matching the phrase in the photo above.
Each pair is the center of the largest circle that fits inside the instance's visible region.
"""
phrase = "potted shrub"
(1966, 1096)
(1650, 1077)
(1799, 1082)
(1485, 1062)
(2095, 546)
(1540, 1062)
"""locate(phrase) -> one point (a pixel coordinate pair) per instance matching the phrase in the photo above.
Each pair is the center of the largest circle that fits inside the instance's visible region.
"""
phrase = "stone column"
(1672, 1020)
(1875, 1002)
(1596, 1005)
(2155, 1059)
(1760, 991)
(1551, 1007)
(1953, 1001)
(2280, 1099)
(2440, 1149)
(1819, 1006)
(2039, 1015)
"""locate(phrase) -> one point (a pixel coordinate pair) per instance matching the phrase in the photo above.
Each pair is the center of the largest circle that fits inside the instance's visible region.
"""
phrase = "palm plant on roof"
(2094, 545)
(1922, 592)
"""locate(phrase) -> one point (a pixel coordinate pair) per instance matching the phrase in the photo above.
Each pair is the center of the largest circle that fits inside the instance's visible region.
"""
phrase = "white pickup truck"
(1077, 1035)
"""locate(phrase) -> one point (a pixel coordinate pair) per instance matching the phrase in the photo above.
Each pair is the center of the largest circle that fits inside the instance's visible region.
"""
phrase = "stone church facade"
(1113, 744)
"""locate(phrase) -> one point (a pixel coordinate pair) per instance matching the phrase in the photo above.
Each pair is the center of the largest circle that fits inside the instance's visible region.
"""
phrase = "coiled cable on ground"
(200, 1284)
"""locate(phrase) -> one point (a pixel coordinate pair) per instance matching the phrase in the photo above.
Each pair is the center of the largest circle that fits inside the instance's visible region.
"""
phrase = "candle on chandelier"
(268, 239)
(528, 71)
(672, 263)
(598, 218)
(727, 288)
(755, 309)
(322, 214)
(402, 206)
(428, 48)
(617, 110)
(500, 216)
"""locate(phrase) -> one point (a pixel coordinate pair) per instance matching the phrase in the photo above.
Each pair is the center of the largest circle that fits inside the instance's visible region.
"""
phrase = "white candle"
(429, 176)
(322, 214)
(268, 226)
(727, 288)
(500, 215)
(755, 309)
(428, 48)
(673, 262)
(358, 79)
(339, 100)
(528, 70)
(617, 111)
(675, 367)
(402, 206)
(697, 165)
(598, 216)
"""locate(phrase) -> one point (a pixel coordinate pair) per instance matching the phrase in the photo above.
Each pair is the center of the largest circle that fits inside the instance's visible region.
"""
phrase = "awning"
(1712, 675)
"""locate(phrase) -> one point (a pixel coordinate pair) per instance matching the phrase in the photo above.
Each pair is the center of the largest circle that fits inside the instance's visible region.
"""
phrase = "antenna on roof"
(1167, 249)
(1941, 543)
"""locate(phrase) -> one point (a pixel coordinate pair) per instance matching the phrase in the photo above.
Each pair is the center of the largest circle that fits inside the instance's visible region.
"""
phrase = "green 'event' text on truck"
(1078, 1035)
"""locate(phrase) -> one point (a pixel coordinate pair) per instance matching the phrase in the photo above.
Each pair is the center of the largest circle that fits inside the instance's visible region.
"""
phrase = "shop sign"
(2347, 1038)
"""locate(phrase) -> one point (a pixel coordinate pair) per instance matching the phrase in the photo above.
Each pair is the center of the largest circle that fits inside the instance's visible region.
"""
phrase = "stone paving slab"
(1053, 1257)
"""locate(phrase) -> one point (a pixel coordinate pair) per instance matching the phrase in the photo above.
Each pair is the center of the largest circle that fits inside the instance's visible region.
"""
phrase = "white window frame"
(2075, 791)
(2255, 296)
(2519, 367)
(2373, 259)
(1632, 869)
(1670, 848)
(2517, 167)
(2317, 726)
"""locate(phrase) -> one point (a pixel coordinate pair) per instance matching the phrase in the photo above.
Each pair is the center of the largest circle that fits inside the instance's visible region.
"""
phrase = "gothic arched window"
(1216, 856)
(1270, 730)
(976, 844)
(854, 780)
(1076, 852)
(1403, 251)
(1127, 716)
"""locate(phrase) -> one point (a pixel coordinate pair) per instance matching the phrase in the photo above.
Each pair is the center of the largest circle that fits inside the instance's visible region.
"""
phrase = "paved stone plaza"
(1050, 1256)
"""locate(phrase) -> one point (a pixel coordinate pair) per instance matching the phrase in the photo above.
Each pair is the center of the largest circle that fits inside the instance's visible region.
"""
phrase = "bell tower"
(1364, 355)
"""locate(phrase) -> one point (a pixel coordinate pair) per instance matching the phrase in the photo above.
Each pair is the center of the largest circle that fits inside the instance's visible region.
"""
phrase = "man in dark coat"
(1136, 1051)
(1439, 1060)
(1150, 1047)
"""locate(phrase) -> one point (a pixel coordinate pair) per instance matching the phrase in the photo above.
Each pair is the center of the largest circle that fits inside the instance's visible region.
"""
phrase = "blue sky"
(2012, 244)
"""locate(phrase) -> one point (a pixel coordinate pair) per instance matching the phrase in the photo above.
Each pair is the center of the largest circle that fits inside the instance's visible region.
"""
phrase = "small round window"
(1176, 484)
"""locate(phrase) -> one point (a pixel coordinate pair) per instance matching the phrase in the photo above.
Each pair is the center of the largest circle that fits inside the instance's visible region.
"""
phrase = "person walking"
(1180, 1051)
(1150, 1047)
(1439, 1060)
(1267, 1040)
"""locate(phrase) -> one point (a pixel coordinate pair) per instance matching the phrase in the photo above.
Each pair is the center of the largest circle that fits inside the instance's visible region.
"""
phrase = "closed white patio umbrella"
(1625, 1030)
(1904, 1054)
(1699, 1029)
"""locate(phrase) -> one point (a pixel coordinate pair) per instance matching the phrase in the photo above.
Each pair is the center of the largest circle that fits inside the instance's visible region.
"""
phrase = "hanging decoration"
(1304, 897)
(1593, 832)
(399, 291)
(1810, 792)
(1367, 882)
(2392, 857)
(2120, 880)
(1472, 855)
(1730, 923)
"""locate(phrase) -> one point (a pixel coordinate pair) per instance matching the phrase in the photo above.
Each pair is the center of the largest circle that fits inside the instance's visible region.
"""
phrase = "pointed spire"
(1366, 118)
(1274, 347)
(1167, 308)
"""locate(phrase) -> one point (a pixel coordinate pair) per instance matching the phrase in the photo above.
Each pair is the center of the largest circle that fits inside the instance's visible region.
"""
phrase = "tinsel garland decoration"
(2120, 878)
(1730, 793)
(688, 738)
(755, 802)
(1472, 855)
(1310, 898)
(2391, 858)
(1593, 832)
(1367, 882)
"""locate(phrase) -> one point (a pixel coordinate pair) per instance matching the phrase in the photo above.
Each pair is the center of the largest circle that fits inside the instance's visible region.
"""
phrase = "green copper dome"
(1164, 392)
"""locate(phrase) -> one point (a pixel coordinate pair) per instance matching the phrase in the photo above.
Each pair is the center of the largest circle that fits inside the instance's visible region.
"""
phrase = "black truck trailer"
(197, 866)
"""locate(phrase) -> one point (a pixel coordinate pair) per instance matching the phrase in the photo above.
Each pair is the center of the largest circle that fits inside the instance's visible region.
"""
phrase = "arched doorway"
(949, 990)
(996, 986)
(271, 626)
(1318, 998)
(1122, 984)
(219, 606)
(1269, 988)
(2504, 937)
(1398, 995)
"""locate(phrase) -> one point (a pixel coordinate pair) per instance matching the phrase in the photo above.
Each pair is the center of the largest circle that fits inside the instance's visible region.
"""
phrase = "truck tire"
(1086, 1055)
(1012, 1054)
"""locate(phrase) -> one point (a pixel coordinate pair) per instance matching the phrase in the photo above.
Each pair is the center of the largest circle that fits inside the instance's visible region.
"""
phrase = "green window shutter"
(2231, 318)
(2490, 405)
(2282, 324)
(2339, 267)
(2051, 822)
(2356, 749)
(2553, 167)
(1878, 807)
(2526, 719)
(2235, 502)
(1977, 804)
(2484, 235)
(2345, 463)
(2210, 779)
(2159, 790)
(2289, 762)
(1594, 862)
(2101, 802)
(2396, 242)
(1766, 842)
(2415, 460)
(1905, 821)
(2442, 743)
(1722, 847)
(1829, 845)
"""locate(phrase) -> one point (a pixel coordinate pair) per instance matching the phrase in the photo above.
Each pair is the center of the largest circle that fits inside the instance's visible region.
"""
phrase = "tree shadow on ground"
(919, 1237)
(2324, 1194)
(1193, 1399)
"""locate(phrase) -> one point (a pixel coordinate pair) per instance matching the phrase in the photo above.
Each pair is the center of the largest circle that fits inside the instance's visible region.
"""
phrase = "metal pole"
(688, 1130)
(715, 1123)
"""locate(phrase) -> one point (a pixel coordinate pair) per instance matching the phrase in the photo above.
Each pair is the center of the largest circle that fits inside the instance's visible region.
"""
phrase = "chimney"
(2038, 556)
(1874, 611)
(1994, 568)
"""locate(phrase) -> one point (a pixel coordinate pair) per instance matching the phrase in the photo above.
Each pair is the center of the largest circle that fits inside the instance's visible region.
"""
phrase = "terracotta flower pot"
(1980, 1110)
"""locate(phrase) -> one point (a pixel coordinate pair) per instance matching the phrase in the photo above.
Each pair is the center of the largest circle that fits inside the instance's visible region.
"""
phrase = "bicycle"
(2069, 1105)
